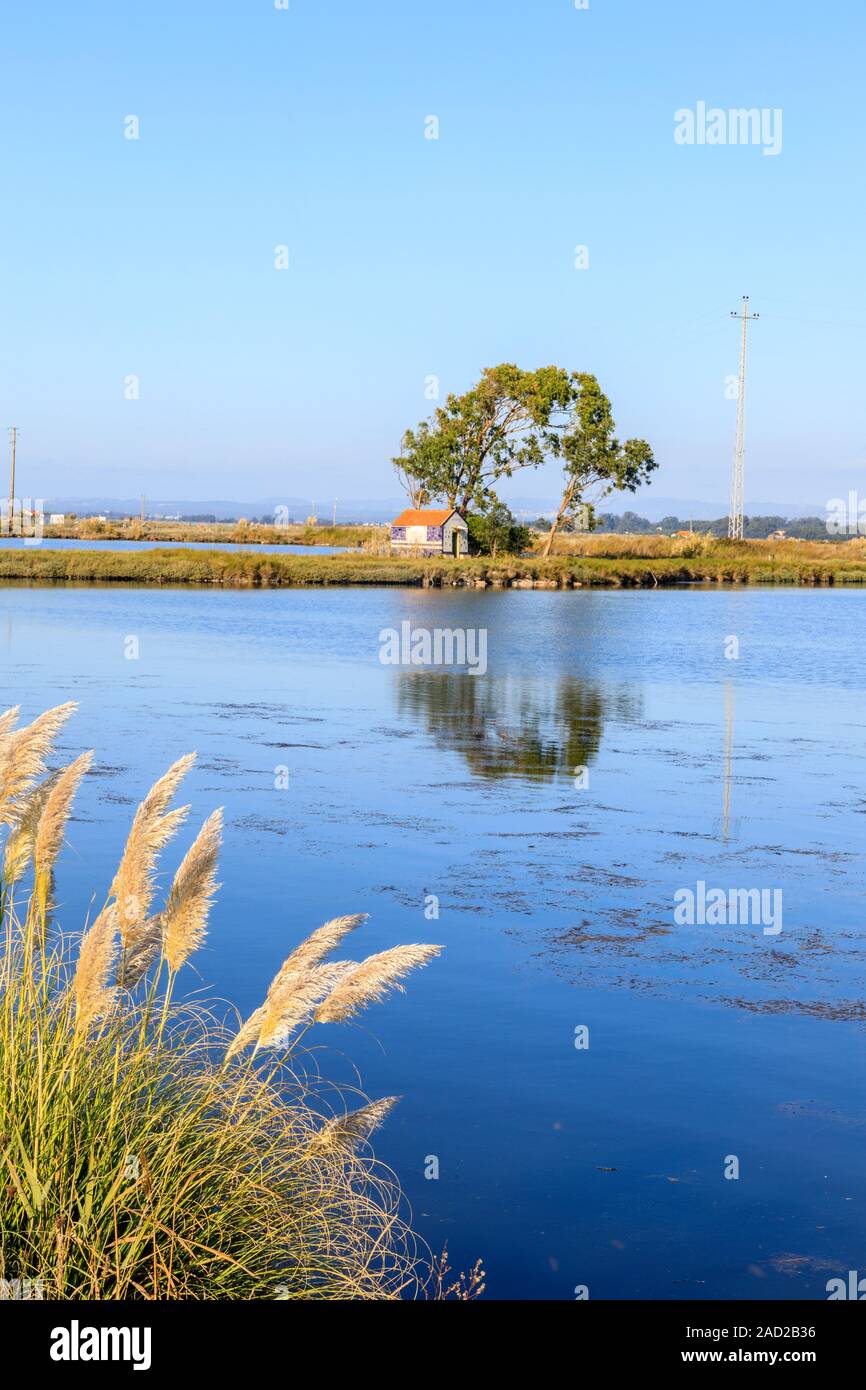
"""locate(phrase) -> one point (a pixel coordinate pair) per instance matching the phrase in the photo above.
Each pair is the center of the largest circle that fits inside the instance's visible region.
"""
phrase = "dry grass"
(344, 1132)
(621, 546)
(370, 981)
(144, 1151)
(22, 756)
(214, 532)
(133, 886)
(184, 921)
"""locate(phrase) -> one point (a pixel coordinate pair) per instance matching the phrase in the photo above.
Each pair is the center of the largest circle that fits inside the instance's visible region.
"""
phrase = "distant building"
(779, 536)
(56, 518)
(422, 532)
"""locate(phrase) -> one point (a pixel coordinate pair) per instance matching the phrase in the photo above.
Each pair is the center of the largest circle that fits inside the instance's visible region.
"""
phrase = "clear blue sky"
(411, 257)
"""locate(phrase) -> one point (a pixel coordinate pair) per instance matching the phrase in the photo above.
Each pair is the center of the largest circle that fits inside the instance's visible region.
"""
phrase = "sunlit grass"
(146, 1149)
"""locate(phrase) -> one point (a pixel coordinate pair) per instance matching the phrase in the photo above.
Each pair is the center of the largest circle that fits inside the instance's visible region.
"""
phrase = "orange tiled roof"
(413, 517)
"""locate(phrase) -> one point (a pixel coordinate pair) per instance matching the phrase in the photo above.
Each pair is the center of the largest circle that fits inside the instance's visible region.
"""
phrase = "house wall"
(455, 523)
(430, 540)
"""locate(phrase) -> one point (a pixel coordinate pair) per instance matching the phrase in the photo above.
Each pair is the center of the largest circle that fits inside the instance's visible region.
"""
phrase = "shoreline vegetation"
(578, 561)
(148, 1148)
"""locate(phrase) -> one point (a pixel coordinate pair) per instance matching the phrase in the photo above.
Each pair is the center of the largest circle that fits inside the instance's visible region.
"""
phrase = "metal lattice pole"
(13, 435)
(735, 513)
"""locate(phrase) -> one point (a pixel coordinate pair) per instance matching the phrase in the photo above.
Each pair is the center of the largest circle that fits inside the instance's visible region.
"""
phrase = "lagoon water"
(601, 1166)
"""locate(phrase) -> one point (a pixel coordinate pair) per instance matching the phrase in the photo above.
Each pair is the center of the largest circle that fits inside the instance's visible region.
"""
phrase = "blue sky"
(411, 257)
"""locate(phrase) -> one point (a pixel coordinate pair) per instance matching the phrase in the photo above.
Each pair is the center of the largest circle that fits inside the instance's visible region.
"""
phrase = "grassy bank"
(751, 562)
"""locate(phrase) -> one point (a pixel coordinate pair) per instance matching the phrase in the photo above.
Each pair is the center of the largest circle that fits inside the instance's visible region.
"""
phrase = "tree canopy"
(512, 419)
(515, 419)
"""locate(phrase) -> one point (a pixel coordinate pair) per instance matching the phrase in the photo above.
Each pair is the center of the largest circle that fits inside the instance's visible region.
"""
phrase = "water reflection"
(729, 761)
(513, 726)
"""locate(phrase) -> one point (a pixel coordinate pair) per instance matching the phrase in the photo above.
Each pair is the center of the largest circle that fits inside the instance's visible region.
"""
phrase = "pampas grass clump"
(145, 1150)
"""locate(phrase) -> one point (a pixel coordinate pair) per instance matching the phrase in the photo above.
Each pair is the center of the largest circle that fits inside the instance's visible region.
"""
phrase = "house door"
(455, 542)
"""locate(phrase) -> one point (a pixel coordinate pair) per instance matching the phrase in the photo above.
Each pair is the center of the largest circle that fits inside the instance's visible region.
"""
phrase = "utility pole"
(336, 500)
(735, 513)
(13, 434)
(142, 508)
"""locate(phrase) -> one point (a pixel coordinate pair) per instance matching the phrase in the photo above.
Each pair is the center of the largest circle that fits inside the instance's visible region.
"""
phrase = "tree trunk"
(564, 506)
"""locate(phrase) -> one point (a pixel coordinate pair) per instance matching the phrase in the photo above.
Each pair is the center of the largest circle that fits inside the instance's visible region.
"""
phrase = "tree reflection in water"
(515, 726)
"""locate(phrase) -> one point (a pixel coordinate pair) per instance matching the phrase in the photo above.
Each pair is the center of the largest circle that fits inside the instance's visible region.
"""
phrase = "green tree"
(593, 458)
(512, 419)
(516, 419)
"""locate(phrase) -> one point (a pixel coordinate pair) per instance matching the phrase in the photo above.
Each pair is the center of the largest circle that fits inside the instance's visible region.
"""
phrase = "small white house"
(433, 532)
(56, 518)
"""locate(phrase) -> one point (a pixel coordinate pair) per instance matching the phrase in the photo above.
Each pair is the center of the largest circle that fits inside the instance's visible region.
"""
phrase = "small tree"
(496, 532)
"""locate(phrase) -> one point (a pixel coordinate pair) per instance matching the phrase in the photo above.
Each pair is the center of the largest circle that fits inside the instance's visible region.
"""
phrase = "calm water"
(22, 543)
(558, 1166)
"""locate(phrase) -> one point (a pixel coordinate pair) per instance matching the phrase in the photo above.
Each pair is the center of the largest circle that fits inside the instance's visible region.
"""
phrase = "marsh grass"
(613, 546)
(604, 561)
(147, 1150)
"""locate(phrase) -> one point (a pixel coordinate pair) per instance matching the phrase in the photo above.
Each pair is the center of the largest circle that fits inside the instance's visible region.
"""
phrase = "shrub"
(145, 1150)
(495, 532)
